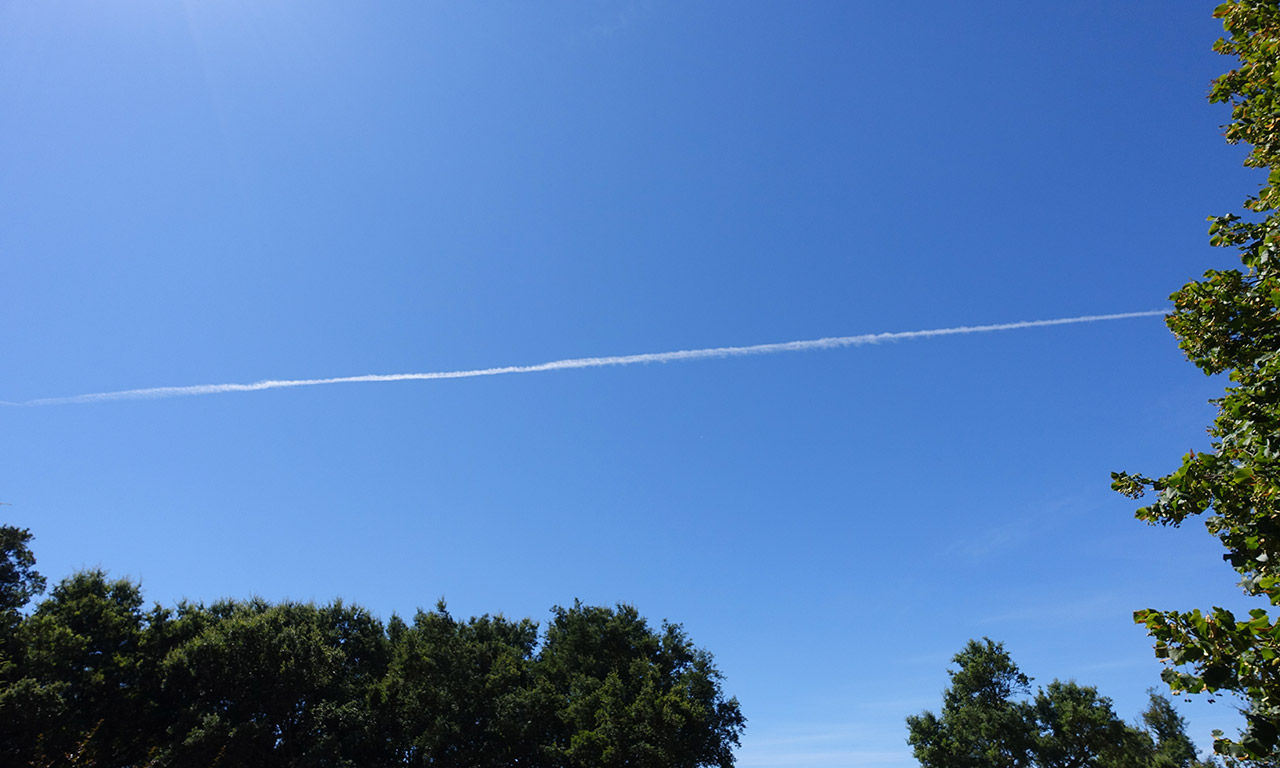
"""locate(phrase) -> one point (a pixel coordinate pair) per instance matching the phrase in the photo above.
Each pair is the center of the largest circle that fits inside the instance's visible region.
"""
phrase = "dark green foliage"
(94, 679)
(1173, 747)
(19, 581)
(271, 685)
(636, 697)
(1227, 323)
(981, 724)
(463, 693)
(81, 665)
(1077, 727)
(987, 723)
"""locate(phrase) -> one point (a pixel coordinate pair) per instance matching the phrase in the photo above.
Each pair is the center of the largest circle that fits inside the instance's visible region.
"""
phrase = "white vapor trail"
(833, 342)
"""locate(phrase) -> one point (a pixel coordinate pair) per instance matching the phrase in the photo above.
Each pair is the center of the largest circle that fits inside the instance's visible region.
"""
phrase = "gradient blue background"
(205, 192)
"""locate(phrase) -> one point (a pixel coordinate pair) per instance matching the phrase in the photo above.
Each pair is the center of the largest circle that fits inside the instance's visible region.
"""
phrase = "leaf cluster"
(1226, 323)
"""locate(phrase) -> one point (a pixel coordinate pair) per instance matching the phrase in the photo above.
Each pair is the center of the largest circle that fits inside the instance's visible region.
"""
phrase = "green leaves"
(636, 697)
(19, 581)
(1228, 322)
(96, 679)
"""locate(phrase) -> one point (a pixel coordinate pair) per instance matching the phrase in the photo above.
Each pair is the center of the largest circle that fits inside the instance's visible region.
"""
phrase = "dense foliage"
(1227, 323)
(92, 677)
(986, 722)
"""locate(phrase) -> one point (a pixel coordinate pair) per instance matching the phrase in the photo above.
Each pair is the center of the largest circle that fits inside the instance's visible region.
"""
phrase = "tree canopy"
(987, 721)
(92, 677)
(1226, 323)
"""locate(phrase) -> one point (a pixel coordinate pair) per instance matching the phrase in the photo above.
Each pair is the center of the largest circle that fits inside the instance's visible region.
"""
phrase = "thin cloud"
(829, 759)
(833, 342)
(1105, 605)
(830, 746)
(620, 21)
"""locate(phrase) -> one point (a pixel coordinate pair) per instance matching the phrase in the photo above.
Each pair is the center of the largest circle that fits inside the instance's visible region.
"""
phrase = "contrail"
(833, 342)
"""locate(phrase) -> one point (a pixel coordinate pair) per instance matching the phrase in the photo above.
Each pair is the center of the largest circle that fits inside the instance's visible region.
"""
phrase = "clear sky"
(230, 191)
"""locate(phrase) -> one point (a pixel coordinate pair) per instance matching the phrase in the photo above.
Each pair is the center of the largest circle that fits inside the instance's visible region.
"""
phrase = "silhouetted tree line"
(94, 677)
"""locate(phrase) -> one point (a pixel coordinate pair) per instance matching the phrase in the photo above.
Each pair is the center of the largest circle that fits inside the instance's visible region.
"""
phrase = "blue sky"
(210, 192)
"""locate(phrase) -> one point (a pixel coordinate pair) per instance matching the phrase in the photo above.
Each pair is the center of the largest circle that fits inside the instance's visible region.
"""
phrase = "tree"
(985, 723)
(276, 685)
(981, 725)
(1173, 748)
(77, 697)
(95, 679)
(631, 696)
(460, 692)
(1226, 322)
(19, 580)
(20, 700)
(1076, 728)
